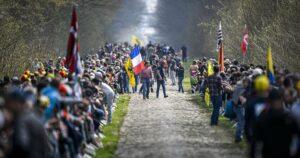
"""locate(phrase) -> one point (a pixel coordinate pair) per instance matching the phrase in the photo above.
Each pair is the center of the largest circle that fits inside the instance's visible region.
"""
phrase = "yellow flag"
(207, 97)
(270, 67)
(130, 73)
(135, 40)
(210, 70)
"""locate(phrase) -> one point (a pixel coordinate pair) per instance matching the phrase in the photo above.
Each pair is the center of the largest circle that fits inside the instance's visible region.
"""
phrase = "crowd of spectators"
(48, 112)
(265, 113)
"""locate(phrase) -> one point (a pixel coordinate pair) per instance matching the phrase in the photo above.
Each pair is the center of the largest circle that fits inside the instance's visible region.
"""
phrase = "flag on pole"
(73, 62)
(207, 97)
(244, 45)
(221, 57)
(135, 40)
(210, 72)
(136, 60)
(220, 47)
(220, 37)
(130, 73)
(270, 67)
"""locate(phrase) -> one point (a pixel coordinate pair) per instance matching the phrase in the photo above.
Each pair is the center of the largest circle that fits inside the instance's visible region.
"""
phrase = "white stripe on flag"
(137, 60)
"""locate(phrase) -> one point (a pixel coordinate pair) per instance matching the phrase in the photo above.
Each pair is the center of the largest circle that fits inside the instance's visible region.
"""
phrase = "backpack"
(229, 113)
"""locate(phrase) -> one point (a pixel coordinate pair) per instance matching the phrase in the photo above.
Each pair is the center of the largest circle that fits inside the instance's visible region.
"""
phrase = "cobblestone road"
(172, 127)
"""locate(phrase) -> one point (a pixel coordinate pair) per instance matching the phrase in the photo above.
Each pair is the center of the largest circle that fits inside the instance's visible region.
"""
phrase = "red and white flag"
(244, 45)
(73, 62)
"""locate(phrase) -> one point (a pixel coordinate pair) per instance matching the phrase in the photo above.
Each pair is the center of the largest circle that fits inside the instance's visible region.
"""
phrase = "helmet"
(261, 83)
(24, 78)
(44, 101)
(298, 85)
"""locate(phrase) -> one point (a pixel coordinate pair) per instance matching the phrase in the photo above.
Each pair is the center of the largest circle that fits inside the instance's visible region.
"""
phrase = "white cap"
(92, 75)
(98, 75)
(257, 71)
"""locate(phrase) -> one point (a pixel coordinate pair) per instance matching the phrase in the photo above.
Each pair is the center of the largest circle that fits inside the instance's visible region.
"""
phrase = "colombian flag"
(270, 67)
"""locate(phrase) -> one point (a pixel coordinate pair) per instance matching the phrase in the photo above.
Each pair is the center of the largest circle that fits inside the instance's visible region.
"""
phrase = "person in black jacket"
(160, 79)
(180, 75)
(276, 129)
(29, 138)
(253, 108)
(184, 53)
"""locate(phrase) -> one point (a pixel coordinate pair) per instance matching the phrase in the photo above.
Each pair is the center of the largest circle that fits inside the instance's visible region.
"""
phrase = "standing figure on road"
(214, 85)
(160, 79)
(193, 74)
(180, 75)
(184, 53)
(146, 76)
(172, 71)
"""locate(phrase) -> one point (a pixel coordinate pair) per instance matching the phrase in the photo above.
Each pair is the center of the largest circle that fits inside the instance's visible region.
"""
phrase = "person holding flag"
(214, 84)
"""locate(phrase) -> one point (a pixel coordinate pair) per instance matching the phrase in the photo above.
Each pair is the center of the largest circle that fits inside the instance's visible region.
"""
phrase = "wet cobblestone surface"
(172, 127)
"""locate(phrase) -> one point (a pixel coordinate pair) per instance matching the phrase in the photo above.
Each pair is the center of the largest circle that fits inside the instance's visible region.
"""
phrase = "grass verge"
(112, 131)
(224, 122)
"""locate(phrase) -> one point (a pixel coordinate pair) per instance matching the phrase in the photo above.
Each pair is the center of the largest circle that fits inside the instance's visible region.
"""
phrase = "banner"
(130, 73)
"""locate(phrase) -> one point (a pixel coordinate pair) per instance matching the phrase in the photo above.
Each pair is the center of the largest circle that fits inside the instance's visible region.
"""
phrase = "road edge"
(112, 131)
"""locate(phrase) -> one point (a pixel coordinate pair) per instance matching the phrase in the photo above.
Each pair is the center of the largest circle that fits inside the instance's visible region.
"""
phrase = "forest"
(38, 29)
(271, 23)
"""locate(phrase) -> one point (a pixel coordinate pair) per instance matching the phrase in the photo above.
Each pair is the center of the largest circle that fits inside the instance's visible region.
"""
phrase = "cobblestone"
(172, 127)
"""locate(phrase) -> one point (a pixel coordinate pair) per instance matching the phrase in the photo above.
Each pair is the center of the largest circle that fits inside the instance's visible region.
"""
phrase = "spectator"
(184, 53)
(254, 106)
(239, 99)
(213, 82)
(146, 76)
(172, 71)
(276, 129)
(28, 130)
(160, 79)
(180, 74)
